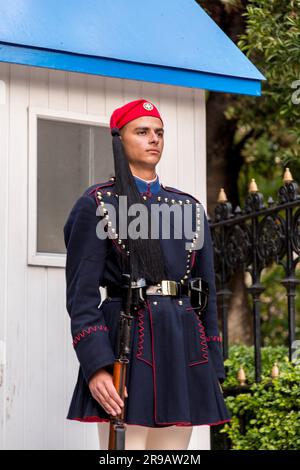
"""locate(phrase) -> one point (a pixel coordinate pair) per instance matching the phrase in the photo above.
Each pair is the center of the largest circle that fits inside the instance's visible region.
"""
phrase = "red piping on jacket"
(98, 203)
(118, 246)
(99, 187)
(193, 259)
(97, 419)
(148, 192)
(168, 188)
(214, 338)
(203, 345)
(88, 331)
(140, 347)
(153, 360)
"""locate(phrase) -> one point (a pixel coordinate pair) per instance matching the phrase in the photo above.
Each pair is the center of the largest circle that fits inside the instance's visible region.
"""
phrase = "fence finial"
(242, 376)
(253, 186)
(222, 196)
(275, 371)
(287, 177)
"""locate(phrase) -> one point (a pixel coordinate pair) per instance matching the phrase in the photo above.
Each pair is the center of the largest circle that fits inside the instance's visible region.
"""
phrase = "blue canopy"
(170, 42)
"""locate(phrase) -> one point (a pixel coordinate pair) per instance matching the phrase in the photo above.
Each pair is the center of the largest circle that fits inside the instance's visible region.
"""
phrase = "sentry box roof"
(170, 42)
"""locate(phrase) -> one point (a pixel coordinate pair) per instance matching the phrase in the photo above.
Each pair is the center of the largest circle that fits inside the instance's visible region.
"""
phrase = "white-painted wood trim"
(34, 113)
(4, 239)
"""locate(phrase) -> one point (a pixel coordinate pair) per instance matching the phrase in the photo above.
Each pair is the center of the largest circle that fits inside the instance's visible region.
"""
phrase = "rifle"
(117, 426)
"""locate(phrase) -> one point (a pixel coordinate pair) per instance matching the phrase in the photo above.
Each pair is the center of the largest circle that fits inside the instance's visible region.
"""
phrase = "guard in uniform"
(176, 363)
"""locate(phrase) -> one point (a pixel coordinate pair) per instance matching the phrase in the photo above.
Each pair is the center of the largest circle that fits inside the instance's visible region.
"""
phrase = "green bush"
(270, 410)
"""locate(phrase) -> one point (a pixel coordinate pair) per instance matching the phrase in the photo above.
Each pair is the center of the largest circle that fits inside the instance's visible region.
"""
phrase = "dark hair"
(145, 257)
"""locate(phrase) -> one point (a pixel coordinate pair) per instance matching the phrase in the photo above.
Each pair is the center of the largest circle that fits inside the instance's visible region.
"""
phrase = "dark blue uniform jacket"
(176, 357)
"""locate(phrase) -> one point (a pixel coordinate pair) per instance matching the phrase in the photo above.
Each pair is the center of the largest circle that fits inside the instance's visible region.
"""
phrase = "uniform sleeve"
(204, 267)
(86, 254)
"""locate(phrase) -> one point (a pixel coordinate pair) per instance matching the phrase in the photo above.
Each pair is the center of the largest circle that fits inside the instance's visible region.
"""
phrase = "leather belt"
(196, 288)
(165, 287)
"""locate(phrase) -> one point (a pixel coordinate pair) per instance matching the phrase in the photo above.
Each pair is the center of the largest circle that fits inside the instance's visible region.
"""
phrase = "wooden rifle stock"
(117, 427)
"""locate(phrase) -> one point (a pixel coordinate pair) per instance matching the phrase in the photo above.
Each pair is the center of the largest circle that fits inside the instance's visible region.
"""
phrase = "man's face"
(143, 141)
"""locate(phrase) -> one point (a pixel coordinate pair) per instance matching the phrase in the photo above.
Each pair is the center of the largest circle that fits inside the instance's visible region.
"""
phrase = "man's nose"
(153, 137)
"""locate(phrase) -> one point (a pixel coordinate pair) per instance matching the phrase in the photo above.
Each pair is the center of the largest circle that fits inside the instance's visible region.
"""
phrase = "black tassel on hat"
(146, 258)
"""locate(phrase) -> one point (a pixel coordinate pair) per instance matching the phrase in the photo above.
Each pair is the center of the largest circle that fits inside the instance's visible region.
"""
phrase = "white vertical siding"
(42, 368)
(36, 352)
(60, 363)
(17, 272)
(4, 158)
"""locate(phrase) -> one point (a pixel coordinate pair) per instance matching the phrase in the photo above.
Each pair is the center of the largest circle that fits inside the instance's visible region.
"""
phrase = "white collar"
(146, 181)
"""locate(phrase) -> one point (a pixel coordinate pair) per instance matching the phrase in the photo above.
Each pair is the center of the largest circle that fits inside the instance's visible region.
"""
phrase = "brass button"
(154, 303)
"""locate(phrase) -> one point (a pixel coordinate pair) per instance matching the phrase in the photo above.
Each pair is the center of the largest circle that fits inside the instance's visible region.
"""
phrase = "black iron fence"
(249, 239)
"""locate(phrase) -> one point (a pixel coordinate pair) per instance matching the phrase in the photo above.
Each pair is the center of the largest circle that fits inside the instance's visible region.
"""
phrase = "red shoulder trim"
(174, 190)
(103, 185)
(93, 192)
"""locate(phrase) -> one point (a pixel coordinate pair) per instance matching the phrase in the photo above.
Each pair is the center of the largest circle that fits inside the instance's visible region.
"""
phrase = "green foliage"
(243, 356)
(271, 40)
(267, 127)
(270, 409)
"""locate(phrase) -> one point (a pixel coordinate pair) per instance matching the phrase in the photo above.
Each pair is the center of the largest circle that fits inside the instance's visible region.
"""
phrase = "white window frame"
(34, 257)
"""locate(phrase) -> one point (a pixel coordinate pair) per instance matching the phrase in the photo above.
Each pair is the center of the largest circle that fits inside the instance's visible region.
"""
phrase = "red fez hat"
(133, 110)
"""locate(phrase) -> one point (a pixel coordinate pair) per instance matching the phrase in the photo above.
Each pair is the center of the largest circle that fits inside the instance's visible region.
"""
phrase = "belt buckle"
(168, 287)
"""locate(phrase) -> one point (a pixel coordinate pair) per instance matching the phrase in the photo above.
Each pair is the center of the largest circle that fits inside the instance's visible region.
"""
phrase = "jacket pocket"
(194, 338)
(144, 347)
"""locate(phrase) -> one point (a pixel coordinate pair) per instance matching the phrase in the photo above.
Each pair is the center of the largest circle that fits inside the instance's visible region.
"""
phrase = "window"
(66, 156)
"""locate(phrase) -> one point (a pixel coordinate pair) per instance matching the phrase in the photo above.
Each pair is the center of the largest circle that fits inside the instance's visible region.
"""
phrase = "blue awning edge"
(174, 43)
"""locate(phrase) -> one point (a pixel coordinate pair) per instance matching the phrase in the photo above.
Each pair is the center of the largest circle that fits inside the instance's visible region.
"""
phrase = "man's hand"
(103, 390)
